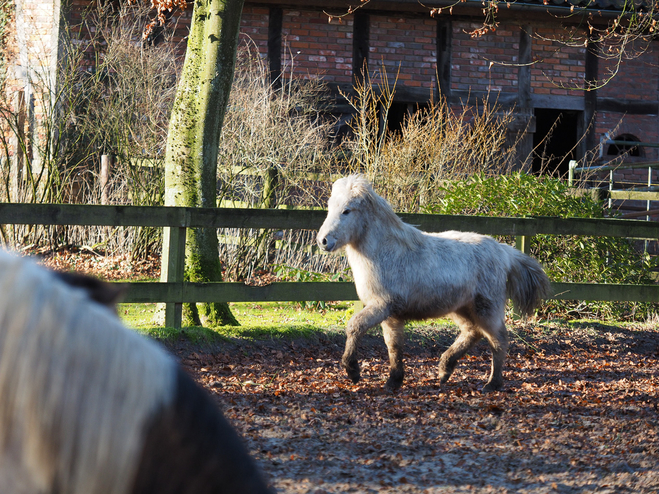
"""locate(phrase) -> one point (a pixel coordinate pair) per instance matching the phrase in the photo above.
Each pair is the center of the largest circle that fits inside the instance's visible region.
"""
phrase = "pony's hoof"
(353, 371)
(491, 387)
(445, 372)
(393, 384)
(353, 375)
(395, 380)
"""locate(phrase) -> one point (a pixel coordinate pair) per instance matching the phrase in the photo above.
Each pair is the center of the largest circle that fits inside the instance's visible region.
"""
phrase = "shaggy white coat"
(402, 273)
(64, 409)
(90, 407)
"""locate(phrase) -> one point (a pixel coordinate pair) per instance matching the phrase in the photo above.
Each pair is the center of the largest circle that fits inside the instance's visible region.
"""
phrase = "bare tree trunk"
(194, 136)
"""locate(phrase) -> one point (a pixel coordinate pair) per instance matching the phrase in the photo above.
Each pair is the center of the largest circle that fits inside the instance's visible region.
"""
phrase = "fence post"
(107, 162)
(270, 184)
(570, 172)
(522, 243)
(268, 201)
(19, 148)
(174, 249)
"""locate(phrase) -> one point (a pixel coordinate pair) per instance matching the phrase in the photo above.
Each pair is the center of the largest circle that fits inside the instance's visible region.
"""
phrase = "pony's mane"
(360, 187)
(64, 362)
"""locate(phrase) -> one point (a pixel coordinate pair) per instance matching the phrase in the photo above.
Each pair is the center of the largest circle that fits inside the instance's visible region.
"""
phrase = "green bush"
(567, 258)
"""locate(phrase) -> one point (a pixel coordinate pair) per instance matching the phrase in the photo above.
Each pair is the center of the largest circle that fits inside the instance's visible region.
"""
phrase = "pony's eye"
(346, 211)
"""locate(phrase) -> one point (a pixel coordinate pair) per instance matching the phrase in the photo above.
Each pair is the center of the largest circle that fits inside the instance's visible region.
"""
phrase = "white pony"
(89, 407)
(402, 273)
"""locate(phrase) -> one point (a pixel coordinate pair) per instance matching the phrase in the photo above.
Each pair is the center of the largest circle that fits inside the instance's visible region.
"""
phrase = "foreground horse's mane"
(43, 325)
(90, 407)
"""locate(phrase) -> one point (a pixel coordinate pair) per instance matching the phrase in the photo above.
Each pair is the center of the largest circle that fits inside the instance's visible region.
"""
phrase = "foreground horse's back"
(90, 407)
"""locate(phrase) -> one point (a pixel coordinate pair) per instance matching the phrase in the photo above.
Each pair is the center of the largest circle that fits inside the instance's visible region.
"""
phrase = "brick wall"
(35, 64)
(471, 69)
(36, 34)
(642, 127)
(254, 29)
(557, 68)
(314, 47)
(637, 79)
(318, 48)
(405, 43)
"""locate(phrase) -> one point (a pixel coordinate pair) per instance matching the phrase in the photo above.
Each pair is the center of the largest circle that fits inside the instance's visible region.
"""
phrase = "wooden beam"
(360, 46)
(318, 291)
(444, 53)
(605, 292)
(596, 227)
(633, 195)
(524, 95)
(296, 219)
(153, 292)
(275, 16)
(591, 71)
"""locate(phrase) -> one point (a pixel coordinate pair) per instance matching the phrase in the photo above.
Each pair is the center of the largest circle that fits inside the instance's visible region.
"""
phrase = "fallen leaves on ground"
(116, 267)
(578, 414)
(579, 411)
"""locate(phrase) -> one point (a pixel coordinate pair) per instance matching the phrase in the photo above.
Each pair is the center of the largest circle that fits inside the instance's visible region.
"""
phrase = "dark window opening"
(617, 149)
(555, 140)
(399, 112)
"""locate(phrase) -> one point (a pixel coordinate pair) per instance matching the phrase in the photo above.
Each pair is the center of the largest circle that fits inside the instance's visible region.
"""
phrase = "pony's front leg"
(361, 322)
(394, 336)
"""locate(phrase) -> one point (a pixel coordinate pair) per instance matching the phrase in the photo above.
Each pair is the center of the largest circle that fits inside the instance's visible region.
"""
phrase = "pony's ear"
(108, 294)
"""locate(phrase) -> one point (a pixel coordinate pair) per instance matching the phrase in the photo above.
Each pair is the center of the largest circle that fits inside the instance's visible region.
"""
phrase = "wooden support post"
(19, 148)
(570, 173)
(523, 243)
(174, 249)
(107, 163)
(270, 184)
(648, 205)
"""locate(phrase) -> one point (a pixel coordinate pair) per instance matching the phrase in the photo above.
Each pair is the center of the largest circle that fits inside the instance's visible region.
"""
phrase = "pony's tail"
(527, 283)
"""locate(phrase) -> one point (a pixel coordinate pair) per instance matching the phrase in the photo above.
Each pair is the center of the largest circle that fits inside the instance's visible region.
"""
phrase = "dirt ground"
(579, 413)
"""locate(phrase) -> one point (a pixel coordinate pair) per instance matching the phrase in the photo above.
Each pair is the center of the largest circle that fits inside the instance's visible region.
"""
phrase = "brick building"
(518, 63)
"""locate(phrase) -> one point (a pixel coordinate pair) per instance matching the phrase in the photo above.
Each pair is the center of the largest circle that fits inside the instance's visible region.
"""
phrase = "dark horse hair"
(90, 407)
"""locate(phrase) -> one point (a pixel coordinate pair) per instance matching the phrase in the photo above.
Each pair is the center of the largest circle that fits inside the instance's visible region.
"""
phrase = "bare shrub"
(275, 140)
(113, 95)
(435, 144)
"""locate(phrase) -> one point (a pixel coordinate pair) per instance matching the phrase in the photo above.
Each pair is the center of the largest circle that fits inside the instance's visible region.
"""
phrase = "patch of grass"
(263, 320)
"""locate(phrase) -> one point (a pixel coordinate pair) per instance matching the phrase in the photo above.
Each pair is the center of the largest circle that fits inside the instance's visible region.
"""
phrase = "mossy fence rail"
(175, 220)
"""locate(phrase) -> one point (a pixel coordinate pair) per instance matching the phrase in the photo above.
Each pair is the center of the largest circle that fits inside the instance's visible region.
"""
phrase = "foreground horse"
(89, 407)
(402, 273)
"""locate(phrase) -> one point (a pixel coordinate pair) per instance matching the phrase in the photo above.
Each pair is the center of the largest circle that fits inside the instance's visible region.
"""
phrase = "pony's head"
(351, 206)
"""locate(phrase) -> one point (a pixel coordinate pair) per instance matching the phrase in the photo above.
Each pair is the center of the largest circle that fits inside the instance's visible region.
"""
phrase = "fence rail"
(174, 292)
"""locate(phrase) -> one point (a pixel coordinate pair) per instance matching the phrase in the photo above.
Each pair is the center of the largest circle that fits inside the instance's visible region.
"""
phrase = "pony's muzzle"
(326, 243)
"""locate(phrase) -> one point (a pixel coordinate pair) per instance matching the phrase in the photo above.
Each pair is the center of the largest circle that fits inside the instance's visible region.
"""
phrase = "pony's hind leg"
(497, 337)
(369, 316)
(468, 337)
(394, 336)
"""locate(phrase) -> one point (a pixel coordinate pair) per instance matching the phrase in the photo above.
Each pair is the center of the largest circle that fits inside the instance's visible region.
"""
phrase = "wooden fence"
(175, 220)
